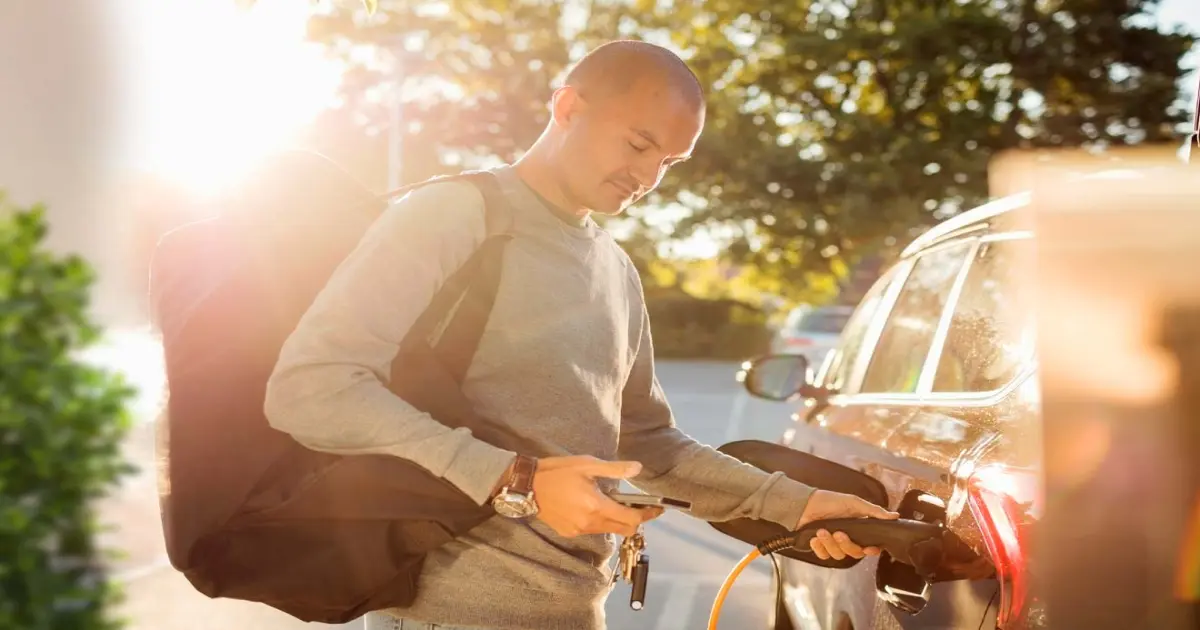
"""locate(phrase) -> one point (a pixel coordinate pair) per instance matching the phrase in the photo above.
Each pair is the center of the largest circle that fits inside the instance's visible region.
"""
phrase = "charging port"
(907, 587)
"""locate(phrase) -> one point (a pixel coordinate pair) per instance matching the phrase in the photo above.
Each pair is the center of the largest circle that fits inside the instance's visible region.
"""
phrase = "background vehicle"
(931, 390)
(811, 331)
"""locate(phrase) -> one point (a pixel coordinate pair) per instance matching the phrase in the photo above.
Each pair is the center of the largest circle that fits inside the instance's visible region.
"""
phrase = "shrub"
(61, 426)
(689, 327)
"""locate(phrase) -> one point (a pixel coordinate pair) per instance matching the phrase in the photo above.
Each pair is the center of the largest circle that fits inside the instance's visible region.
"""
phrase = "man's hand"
(571, 503)
(824, 504)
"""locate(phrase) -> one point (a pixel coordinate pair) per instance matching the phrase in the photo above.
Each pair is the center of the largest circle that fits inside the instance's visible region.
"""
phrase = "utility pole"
(395, 133)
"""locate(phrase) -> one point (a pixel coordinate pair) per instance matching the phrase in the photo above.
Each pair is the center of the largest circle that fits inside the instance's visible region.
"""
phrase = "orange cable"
(721, 594)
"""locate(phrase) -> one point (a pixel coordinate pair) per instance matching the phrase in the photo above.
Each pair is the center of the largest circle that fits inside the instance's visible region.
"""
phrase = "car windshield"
(820, 321)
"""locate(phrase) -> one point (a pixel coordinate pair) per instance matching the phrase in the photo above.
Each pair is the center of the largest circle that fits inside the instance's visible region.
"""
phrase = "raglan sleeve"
(329, 388)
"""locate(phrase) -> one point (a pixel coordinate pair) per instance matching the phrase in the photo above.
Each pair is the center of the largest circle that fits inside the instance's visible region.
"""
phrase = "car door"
(803, 585)
(875, 373)
(978, 412)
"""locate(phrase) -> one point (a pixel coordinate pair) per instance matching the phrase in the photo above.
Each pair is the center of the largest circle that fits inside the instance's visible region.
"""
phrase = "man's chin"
(613, 206)
(609, 208)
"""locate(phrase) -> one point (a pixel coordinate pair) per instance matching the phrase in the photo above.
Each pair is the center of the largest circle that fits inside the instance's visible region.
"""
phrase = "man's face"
(617, 149)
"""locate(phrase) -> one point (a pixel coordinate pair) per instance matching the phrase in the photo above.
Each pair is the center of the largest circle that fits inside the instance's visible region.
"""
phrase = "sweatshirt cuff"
(477, 467)
(785, 502)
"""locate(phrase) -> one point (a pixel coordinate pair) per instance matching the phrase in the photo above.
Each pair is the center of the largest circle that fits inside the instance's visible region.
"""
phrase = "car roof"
(980, 216)
(966, 221)
(825, 308)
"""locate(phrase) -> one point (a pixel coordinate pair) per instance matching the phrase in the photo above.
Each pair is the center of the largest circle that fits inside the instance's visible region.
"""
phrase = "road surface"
(689, 558)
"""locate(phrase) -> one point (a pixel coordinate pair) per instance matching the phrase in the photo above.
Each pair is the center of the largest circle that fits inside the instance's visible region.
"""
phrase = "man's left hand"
(824, 504)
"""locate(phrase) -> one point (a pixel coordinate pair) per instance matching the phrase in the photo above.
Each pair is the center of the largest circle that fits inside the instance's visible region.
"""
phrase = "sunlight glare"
(218, 86)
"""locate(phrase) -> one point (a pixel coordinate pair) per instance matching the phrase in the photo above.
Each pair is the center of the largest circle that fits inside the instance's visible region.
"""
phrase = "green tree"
(474, 75)
(839, 127)
(836, 129)
(61, 425)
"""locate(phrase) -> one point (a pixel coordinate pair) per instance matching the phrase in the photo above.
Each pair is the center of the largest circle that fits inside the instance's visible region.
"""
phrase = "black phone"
(636, 500)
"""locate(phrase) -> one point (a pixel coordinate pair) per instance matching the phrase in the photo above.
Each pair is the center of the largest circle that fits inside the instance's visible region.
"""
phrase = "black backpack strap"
(460, 340)
(455, 319)
(458, 343)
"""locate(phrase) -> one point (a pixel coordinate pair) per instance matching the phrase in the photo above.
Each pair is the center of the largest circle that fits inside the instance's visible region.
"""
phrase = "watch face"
(513, 505)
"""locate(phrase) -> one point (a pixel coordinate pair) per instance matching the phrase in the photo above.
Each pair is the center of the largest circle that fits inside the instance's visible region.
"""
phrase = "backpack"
(247, 512)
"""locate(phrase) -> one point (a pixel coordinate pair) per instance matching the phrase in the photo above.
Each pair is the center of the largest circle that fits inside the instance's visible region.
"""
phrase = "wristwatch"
(515, 499)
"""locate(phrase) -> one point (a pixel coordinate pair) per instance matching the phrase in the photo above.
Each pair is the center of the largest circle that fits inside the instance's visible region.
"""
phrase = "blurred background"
(837, 132)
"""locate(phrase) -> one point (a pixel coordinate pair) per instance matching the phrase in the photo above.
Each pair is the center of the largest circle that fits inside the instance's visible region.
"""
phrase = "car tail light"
(1006, 503)
(798, 342)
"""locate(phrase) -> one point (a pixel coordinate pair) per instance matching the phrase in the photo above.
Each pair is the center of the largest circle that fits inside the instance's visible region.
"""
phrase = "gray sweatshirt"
(566, 361)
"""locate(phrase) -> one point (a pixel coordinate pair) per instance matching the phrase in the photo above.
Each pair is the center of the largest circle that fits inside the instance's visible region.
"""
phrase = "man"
(566, 361)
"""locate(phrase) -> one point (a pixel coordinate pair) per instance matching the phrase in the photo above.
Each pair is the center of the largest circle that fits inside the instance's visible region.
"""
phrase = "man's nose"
(646, 174)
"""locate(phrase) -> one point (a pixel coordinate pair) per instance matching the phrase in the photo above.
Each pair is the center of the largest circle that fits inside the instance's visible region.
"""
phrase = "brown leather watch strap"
(522, 474)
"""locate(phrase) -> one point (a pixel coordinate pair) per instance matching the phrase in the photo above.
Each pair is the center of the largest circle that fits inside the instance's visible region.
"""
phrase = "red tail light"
(1006, 502)
(798, 342)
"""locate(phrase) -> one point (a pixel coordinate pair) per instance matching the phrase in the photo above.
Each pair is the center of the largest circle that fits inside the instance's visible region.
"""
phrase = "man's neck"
(532, 170)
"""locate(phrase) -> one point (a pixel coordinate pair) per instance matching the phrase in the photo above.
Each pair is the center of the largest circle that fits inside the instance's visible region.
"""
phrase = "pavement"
(689, 558)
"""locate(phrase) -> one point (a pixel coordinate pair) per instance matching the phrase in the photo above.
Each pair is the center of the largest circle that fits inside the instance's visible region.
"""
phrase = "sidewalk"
(157, 597)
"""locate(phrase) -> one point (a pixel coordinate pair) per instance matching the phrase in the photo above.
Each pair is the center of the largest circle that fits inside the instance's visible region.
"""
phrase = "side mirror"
(779, 377)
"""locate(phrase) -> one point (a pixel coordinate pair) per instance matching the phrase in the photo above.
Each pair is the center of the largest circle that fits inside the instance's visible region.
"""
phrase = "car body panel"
(832, 593)
(918, 439)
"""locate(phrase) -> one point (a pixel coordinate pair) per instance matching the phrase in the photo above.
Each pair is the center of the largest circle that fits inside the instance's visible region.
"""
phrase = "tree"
(61, 426)
(836, 129)
(475, 75)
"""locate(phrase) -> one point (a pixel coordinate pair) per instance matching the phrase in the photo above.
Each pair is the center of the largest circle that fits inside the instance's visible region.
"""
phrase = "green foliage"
(61, 424)
(837, 126)
(476, 78)
(835, 129)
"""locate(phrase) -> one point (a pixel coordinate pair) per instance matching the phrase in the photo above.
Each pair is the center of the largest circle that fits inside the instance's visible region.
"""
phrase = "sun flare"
(218, 85)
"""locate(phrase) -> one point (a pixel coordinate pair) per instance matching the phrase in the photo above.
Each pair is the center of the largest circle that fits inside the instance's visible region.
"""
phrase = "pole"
(395, 133)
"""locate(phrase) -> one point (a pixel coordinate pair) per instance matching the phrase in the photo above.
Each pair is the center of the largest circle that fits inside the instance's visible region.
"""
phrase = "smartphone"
(635, 500)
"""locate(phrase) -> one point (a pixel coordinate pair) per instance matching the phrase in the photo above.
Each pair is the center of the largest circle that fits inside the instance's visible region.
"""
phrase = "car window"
(840, 362)
(912, 324)
(991, 328)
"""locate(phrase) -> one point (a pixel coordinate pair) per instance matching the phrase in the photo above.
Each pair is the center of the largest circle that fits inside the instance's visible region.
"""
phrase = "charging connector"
(913, 542)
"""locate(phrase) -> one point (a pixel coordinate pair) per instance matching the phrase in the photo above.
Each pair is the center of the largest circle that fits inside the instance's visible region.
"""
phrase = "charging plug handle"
(915, 543)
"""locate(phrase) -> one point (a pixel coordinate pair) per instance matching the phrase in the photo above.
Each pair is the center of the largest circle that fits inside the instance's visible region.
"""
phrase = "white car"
(811, 331)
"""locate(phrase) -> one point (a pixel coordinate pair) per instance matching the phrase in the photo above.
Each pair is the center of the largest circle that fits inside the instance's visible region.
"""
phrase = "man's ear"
(565, 105)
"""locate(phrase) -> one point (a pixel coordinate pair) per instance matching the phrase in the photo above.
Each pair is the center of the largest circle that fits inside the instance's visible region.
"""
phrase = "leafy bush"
(689, 327)
(61, 425)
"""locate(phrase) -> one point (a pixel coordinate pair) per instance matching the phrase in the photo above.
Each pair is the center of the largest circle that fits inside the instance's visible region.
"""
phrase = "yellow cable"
(733, 575)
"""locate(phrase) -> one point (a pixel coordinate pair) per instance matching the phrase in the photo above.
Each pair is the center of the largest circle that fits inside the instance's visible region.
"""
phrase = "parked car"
(931, 390)
(811, 331)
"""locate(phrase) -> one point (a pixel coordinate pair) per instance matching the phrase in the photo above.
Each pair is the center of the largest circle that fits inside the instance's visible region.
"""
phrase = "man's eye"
(637, 148)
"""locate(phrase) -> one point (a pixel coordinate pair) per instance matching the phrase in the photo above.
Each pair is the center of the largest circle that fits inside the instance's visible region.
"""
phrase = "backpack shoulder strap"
(498, 214)
(456, 317)
(460, 339)
(496, 208)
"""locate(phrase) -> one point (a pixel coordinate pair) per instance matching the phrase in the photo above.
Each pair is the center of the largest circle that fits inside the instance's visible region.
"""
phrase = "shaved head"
(613, 69)
(626, 113)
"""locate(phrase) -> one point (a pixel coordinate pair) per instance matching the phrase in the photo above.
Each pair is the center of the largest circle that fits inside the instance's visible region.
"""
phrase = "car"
(811, 331)
(930, 389)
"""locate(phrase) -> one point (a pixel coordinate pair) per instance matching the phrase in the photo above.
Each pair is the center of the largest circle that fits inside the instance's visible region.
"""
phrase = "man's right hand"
(571, 503)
